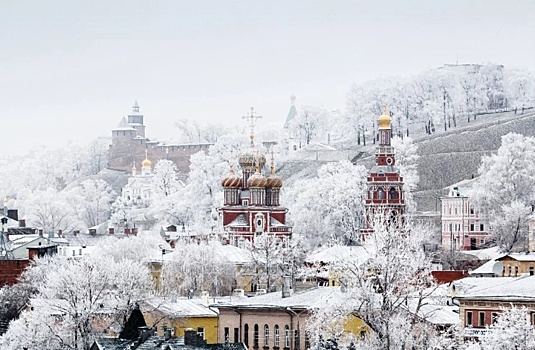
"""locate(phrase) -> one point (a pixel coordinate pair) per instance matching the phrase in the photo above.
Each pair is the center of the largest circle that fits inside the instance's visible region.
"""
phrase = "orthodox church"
(138, 188)
(252, 199)
(385, 186)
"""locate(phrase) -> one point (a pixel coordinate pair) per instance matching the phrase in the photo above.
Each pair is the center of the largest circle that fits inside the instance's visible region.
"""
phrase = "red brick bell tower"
(385, 186)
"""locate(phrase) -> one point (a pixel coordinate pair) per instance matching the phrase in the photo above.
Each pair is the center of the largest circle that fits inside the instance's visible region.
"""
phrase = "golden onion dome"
(256, 180)
(231, 180)
(146, 163)
(249, 158)
(384, 120)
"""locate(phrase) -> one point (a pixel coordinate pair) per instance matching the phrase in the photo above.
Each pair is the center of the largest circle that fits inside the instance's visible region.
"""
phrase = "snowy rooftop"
(307, 299)
(491, 267)
(520, 256)
(19, 240)
(436, 314)
(182, 307)
(338, 253)
(500, 288)
(485, 254)
(463, 186)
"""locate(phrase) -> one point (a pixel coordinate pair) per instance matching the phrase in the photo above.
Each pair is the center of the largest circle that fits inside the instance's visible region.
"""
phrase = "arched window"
(266, 335)
(392, 193)
(286, 337)
(246, 334)
(380, 193)
(255, 336)
(277, 336)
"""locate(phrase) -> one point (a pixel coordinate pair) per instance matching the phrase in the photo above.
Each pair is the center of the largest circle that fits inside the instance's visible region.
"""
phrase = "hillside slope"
(445, 157)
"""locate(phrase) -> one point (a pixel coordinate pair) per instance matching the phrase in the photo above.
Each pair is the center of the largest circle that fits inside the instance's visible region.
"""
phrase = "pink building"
(463, 226)
(271, 321)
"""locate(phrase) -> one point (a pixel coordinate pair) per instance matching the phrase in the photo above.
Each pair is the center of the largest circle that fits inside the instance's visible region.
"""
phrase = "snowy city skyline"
(71, 71)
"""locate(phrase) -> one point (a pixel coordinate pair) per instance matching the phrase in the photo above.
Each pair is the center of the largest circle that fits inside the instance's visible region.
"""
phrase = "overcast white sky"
(71, 69)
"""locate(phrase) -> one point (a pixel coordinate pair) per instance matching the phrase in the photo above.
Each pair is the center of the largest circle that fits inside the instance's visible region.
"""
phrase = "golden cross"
(252, 118)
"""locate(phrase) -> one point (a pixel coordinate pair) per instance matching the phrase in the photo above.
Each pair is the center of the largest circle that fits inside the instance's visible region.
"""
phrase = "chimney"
(205, 298)
(22, 223)
(286, 283)
(40, 232)
(60, 233)
(13, 214)
(167, 333)
(111, 230)
(192, 338)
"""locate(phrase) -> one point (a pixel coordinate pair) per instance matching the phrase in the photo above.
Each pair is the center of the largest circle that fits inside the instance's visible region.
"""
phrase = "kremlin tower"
(385, 186)
(251, 201)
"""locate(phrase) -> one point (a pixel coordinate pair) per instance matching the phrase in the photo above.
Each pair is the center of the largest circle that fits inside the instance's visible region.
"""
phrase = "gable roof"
(518, 256)
(240, 220)
(307, 299)
(182, 307)
(501, 288)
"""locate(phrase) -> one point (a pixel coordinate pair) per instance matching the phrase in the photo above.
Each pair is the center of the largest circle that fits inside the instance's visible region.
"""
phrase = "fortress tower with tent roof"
(129, 145)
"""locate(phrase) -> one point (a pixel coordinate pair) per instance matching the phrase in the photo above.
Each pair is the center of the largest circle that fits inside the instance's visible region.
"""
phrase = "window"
(481, 318)
(380, 193)
(246, 334)
(471, 210)
(494, 317)
(200, 331)
(286, 337)
(481, 227)
(531, 270)
(472, 227)
(255, 336)
(266, 335)
(245, 202)
(296, 339)
(392, 194)
(227, 334)
(277, 336)
(510, 270)
(516, 270)
(469, 318)
(236, 335)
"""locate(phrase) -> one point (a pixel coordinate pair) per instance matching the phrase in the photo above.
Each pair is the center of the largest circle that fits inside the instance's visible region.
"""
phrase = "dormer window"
(381, 174)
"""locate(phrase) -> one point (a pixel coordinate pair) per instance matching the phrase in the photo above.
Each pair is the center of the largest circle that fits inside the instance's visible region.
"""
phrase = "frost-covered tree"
(164, 180)
(512, 330)
(267, 256)
(329, 206)
(92, 201)
(504, 190)
(203, 192)
(50, 210)
(407, 163)
(194, 267)
(520, 88)
(36, 331)
(309, 123)
(72, 297)
(381, 289)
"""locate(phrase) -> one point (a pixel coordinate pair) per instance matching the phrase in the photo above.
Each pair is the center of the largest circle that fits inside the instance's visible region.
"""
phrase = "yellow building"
(181, 314)
(517, 264)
